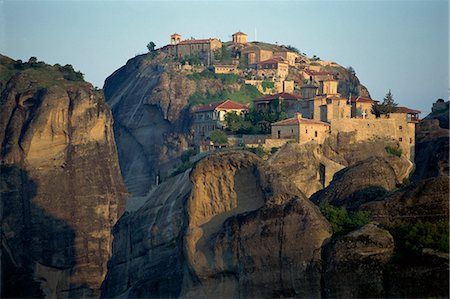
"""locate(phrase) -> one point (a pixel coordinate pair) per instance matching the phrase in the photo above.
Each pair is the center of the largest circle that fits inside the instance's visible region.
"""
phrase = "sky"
(397, 45)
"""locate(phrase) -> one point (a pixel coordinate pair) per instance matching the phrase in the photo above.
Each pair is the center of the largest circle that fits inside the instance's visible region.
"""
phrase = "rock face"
(151, 120)
(361, 182)
(60, 183)
(219, 233)
(426, 200)
(432, 149)
(354, 263)
(311, 167)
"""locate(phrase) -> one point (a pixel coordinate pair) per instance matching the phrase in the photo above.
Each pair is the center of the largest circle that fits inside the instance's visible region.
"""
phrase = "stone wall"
(371, 129)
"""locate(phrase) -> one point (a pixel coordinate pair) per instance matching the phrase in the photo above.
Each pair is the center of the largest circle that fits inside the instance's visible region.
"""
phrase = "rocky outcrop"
(151, 120)
(312, 167)
(361, 182)
(218, 232)
(61, 189)
(354, 263)
(432, 149)
(426, 200)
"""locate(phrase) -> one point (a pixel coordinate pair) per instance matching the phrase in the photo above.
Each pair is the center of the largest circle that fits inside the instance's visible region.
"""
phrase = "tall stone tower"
(239, 38)
(175, 38)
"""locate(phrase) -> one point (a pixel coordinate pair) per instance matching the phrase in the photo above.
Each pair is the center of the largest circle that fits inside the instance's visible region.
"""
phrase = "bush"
(218, 137)
(341, 221)
(186, 155)
(393, 151)
(182, 168)
(267, 85)
(412, 238)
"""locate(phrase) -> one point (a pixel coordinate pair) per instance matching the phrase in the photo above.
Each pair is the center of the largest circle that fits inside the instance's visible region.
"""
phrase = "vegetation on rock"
(341, 220)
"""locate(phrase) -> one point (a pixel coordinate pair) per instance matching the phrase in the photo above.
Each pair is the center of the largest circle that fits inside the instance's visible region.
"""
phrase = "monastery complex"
(312, 102)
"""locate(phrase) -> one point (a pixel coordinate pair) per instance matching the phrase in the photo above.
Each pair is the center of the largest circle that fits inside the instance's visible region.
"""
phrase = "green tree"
(341, 221)
(386, 107)
(218, 137)
(151, 46)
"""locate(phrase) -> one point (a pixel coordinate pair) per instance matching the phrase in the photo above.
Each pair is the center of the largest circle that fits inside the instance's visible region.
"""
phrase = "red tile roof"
(228, 105)
(240, 33)
(273, 60)
(195, 41)
(282, 95)
(297, 121)
(360, 99)
(402, 109)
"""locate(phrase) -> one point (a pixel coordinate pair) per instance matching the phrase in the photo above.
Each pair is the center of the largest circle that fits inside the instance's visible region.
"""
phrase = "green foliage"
(341, 221)
(259, 151)
(243, 62)
(193, 59)
(411, 238)
(267, 85)
(393, 151)
(386, 107)
(245, 95)
(223, 55)
(151, 46)
(70, 74)
(182, 168)
(151, 50)
(218, 137)
(293, 49)
(227, 78)
(186, 155)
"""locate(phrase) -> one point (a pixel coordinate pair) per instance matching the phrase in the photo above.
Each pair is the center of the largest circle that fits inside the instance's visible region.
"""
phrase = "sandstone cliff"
(226, 229)
(60, 183)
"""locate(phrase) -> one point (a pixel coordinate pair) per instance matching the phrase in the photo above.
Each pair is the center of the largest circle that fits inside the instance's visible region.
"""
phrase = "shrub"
(393, 151)
(412, 238)
(267, 85)
(186, 155)
(219, 137)
(341, 221)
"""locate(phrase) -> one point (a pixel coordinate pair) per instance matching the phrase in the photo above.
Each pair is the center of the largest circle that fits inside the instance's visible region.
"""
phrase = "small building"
(255, 54)
(239, 38)
(328, 87)
(209, 117)
(288, 55)
(300, 129)
(175, 39)
(405, 113)
(362, 107)
(276, 68)
(225, 68)
(283, 101)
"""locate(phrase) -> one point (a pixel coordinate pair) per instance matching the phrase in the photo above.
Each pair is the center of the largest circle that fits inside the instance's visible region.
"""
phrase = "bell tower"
(175, 38)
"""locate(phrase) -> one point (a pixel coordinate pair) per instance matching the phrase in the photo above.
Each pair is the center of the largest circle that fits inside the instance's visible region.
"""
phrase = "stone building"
(275, 68)
(399, 126)
(182, 48)
(225, 69)
(284, 101)
(255, 54)
(207, 118)
(362, 107)
(239, 38)
(286, 54)
(300, 129)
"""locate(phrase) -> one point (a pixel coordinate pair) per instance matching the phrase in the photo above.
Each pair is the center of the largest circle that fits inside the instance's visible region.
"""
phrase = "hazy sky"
(397, 45)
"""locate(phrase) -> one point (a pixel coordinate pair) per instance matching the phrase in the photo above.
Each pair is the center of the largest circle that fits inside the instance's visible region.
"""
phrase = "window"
(400, 127)
(279, 134)
(400, 139)
(306, 131)
(315, 134)
(410, 141)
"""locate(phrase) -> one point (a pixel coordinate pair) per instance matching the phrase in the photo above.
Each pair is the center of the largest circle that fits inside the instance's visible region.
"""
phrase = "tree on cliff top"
(219, 137)
(388, 106)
